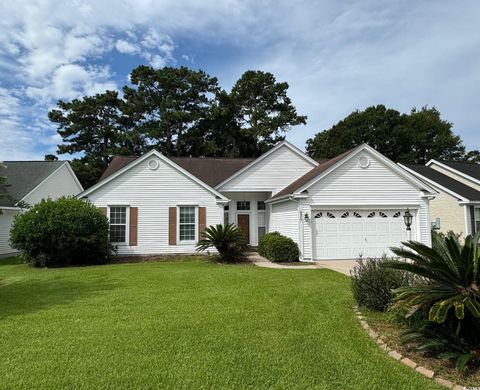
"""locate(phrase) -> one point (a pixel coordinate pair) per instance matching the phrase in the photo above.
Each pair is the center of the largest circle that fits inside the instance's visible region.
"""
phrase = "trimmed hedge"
(277, 247)
(62, 232)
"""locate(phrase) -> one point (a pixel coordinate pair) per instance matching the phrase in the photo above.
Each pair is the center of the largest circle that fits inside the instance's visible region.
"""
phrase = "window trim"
(243, 209)
(187, 242)
(226, 214)
(476, 219)
(127, 223)
(264, 212)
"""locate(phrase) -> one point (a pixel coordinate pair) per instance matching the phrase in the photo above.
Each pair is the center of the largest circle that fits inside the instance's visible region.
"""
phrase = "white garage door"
(345, 234)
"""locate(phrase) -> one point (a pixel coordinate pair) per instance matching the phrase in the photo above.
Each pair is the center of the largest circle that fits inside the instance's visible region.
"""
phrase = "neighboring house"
(337, 209)
(457, 206)
(28, 182)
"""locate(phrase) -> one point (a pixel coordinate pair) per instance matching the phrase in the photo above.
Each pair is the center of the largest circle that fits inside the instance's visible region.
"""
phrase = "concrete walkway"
(342, 266)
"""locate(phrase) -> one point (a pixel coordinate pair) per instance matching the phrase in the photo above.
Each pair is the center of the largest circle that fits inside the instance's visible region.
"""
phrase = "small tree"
(227, 239)
(62, 232)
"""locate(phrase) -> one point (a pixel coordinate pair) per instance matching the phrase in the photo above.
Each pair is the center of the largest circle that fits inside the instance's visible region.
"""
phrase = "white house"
(352, 204)
(28, 182)
(457, 205)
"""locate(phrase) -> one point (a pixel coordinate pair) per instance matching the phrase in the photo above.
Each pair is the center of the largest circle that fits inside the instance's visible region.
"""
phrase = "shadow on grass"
(22, 297)
(14, 260)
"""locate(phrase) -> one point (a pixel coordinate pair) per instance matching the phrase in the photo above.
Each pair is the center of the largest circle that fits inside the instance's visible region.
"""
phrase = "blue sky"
(337, 56)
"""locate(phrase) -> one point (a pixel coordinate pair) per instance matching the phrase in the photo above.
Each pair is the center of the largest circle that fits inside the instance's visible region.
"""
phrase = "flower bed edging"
(380, 340)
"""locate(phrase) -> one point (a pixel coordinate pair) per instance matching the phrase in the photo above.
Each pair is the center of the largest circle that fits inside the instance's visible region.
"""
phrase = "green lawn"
(187, 324)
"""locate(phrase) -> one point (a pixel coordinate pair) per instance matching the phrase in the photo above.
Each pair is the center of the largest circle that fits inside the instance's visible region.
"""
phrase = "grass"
(187, 324)
(385, 324)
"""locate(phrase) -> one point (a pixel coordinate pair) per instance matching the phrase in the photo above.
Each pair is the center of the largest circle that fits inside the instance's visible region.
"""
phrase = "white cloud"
(336, 56)
(126, 47)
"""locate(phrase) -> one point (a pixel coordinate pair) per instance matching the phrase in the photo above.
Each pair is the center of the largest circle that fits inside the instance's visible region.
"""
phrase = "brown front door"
(244, 225)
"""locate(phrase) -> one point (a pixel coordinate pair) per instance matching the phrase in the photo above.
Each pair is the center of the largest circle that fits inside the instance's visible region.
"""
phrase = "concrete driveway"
(342, 266)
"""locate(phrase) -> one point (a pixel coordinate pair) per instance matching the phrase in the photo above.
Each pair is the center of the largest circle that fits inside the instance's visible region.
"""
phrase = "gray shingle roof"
(446, 181)
(470, 169)
(23, 176)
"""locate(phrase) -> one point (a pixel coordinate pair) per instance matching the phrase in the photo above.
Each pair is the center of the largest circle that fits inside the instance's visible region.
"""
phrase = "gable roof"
(454, 187)
(310, 175)
(210, 170)
(266, 154)
(324, 168)
(463, 168)
(133, 161)
(22, 177)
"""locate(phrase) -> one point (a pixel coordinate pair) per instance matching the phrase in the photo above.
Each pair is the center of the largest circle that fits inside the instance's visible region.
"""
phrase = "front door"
(244, 225)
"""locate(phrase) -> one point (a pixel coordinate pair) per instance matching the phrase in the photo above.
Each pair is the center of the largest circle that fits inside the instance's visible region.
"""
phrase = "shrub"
(264, 243)
(62, 232)
(372, 284)
(447, 294)
(227, 239)
(276, 247)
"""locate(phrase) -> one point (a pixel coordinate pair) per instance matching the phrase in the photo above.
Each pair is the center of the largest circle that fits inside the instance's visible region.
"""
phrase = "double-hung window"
(262, 225)
(187, 224)
(118, 224)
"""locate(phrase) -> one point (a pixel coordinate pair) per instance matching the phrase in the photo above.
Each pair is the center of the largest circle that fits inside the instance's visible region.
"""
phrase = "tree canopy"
(178, 111)
(415, 137)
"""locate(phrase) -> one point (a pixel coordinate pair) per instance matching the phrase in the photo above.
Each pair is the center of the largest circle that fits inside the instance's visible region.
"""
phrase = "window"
(382, 214)
(318, 215)
(243, 205)
(187, 223)
(118, 224)
(261, 219)
(356, 215)
(346, 214)
(330, 215)
(477, 220)
(371, 215)
(226, 211)
(396, 215)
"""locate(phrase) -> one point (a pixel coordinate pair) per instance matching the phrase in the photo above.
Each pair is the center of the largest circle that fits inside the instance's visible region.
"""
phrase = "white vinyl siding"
(6, 220)
(271, 174)
(372, 187)
(153, 192)
(284, 219)
(60, 183)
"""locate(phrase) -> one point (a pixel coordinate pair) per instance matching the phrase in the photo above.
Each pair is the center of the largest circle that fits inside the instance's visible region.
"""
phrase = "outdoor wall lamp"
(408, 218)
(306, 217)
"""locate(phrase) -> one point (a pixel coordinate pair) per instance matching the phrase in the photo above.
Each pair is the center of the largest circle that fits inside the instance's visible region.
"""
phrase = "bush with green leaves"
(62, 232)
(446, 296)
(227, 239)
(277, 247)
(373, 285)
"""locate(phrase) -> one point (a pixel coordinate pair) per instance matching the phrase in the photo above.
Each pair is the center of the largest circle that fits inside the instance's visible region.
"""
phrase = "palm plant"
(446, 290)
(228, 239)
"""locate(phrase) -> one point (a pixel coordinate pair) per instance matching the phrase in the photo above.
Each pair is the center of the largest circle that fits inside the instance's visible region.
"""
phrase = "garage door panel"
(370, 227)
(340, 234)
